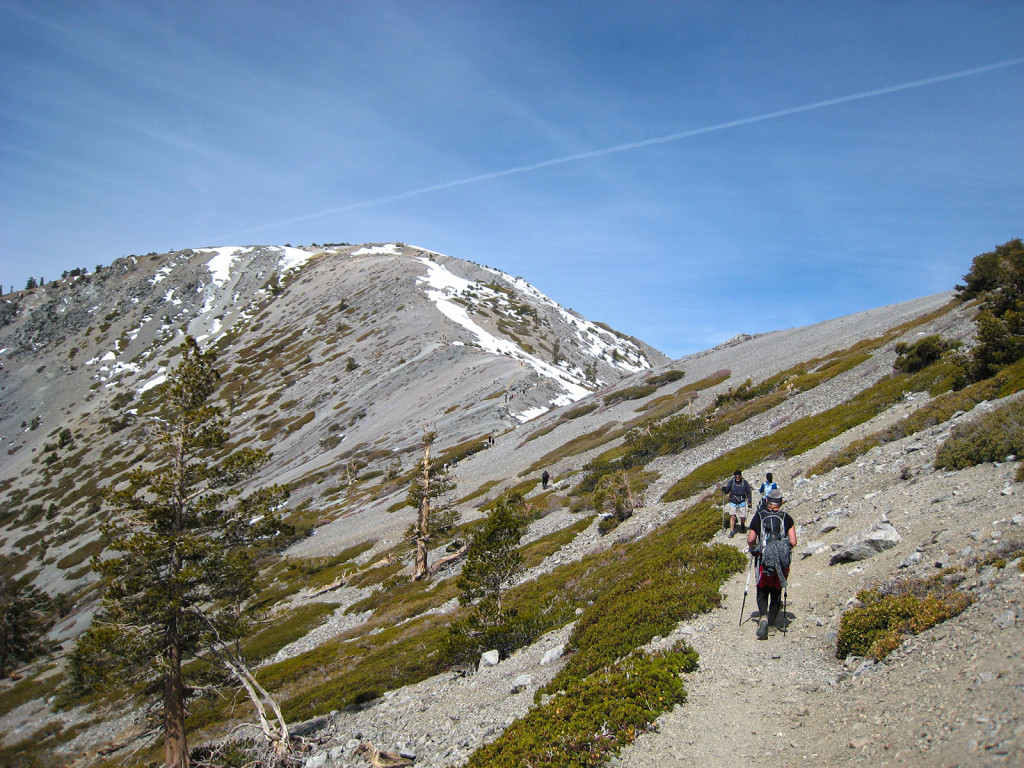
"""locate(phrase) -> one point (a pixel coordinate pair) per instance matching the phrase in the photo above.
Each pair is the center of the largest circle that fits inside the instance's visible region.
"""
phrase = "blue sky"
(681, 171)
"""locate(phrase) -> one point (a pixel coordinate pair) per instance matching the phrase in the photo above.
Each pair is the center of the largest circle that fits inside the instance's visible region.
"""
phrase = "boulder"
(813, 548)
(879, 537)
(489, 659)
(553, 654)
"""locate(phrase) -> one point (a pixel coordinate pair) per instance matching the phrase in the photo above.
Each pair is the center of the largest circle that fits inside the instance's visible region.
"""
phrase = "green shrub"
(991, 437)
(878, 626)
(630, 393)
(659, 588)
(911, 358)
(666, 377)
(581, 410)
(595, 717)
(471, 636)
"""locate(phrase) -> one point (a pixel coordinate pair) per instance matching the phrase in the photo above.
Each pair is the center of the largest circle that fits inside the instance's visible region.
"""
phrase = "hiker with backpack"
(738, 496)
(767, 487)
(771, 538)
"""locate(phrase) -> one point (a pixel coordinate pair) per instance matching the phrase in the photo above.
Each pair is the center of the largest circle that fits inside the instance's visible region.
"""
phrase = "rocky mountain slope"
(427, 336)
(335, 358)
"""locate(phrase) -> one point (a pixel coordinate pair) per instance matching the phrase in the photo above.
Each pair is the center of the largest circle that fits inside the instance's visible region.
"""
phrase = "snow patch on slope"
(442, 285)
(388, 249)
(225, 267)
(599, 341)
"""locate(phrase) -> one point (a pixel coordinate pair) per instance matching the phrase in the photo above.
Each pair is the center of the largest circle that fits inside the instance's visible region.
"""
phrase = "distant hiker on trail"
(544, 478)
(767, 487)
(771, 537)
(737, 501)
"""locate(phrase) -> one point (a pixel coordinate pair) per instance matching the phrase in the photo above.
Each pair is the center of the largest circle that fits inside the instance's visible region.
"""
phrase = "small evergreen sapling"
(493, 559)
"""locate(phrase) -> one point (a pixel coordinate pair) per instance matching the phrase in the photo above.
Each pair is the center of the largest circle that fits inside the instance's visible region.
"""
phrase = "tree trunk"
(175, 746)
(443, 561)
(423, 523)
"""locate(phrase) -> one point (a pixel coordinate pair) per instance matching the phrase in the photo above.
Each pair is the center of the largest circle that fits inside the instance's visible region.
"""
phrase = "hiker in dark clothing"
(771, 537)
(544, 478)
(737, 501)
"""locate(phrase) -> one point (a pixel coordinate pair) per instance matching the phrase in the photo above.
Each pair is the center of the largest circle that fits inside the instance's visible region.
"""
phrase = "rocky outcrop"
(882, 535)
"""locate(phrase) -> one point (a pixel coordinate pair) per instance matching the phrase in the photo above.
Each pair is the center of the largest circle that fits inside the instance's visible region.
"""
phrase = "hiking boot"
(762, 629)
(731, 534)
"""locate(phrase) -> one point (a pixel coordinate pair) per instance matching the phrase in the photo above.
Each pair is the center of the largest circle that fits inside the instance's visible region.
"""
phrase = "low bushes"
(911, 358)
(992, 437)
(595, 716)
(939, 410)
(887, 614)
(630, 393)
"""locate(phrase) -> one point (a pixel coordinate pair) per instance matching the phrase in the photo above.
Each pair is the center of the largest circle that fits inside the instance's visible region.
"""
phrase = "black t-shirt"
(755, 522)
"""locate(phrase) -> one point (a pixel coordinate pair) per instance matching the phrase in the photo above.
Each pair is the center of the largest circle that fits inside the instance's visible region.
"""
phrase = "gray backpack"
(775, 549)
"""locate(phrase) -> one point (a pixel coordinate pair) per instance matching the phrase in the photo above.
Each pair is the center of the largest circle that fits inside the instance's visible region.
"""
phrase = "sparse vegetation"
(995, 436)
(806, 433)
(937, 411)
(887, 614)
(608, 691)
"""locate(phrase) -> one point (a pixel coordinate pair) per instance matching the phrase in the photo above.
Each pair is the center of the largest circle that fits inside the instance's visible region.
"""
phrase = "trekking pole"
(743, 607)
(785, 618)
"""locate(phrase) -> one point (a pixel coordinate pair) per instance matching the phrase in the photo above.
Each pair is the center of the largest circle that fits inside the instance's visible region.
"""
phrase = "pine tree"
(25, 617)
(493, 559)
(618, 494)
(184, 537)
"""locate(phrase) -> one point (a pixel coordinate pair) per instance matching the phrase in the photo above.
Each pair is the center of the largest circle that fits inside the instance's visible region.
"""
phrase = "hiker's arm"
(751, 537)
(792, 535)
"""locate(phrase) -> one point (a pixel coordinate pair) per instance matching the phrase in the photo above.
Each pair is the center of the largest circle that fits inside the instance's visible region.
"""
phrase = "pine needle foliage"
(996, 279)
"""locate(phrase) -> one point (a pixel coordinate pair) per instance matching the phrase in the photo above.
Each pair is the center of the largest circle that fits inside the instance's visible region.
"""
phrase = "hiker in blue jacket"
(771, 536)
(737, 501)
(768, 485)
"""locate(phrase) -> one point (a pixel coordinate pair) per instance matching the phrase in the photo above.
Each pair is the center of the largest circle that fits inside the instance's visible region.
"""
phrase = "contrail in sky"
(645, 142)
